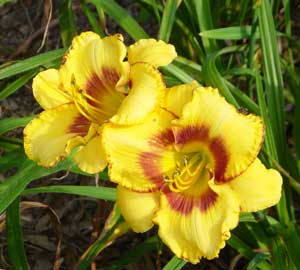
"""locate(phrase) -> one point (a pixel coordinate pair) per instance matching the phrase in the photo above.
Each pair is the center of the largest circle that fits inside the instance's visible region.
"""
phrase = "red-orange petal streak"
(150, 165)
(80, 126)
(163, 139)
(215, 145)
(184, 203)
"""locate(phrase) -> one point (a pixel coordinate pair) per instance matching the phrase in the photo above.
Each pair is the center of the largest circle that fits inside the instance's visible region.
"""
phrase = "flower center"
(187, 172)
(99, 106)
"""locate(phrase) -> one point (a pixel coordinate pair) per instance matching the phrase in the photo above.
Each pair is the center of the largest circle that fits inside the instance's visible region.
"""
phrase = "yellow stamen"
(185, 178)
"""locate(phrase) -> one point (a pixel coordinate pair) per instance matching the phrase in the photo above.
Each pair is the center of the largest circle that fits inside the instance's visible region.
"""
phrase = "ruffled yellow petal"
(257, 187)
(82, 40)
(177, 96)
(156, 53)
(201, 231)
(48, 89)
(146, 93)
(78, 42)
(46, 137)
(138, 154)
(97, 57)
(137, 208)
(231, 140)
(97, 72)
(91, 157)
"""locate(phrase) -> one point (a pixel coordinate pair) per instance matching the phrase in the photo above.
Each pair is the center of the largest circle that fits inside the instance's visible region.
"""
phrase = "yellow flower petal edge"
(193, 158)
(96, 81)
(157, 53)
(258, 187)
(138, 208)
(177, 96)
(91, 157)
(129, 150)
(214, 126)
(48, 91)
(146, 94)
(46, 137)
(198, 233)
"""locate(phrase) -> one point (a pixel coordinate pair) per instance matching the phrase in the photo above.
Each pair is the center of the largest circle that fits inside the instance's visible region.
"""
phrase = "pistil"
(184, 176)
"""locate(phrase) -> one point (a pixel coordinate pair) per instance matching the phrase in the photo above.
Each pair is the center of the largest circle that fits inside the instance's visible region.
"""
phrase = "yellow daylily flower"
(192, 166)
(93, 86)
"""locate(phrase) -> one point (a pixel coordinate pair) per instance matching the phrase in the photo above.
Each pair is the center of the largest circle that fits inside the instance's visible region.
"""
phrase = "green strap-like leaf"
(17, 84)
(8, 124)
(31, 63)
(174, 264)
(15, 241)
(121, 16)
(167, 20)
(12, 187)
(104, 193)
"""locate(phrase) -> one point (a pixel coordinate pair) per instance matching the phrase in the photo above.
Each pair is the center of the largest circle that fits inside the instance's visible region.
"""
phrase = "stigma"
(186, 173)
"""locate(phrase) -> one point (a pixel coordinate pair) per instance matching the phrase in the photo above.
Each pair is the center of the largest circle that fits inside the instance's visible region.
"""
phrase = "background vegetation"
(249, 50)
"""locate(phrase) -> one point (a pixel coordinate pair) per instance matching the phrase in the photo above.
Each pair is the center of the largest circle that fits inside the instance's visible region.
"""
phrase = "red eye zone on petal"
(184, 203)
(80, 126)
(163, 139)
(215, 146)
(149, 163)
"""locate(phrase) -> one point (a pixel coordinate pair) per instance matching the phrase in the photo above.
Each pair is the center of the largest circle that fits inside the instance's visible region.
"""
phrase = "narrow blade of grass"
(15, 241)
(292, 243)
(12, 187)
(167, 20)
(272, 74)
(205, 23)
(278, 255)
(91, 18)
(136, 253)
(257, 260)
(229, 33)
(31, 63)
(16, 85)
(112, 224)
(174, 264)
(8, 124)
(11, 159)
(66, 22)
(103, 193)
(9, 144)
(178, 73)
(121, 16)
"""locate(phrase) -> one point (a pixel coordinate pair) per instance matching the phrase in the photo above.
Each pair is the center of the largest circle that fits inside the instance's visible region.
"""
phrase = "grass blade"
(229, 33)
(134, 254)
(174, 264)
(11, 159)
(31, 63)
(8, 124)
(91, 18)
(167, 20)
(15, 241)
(178, 73)
(12, 187)
(121, 16)
(112, 223)
(103, 193)
(272, 74)
(205, 23)
(17, 84)
(66, 22)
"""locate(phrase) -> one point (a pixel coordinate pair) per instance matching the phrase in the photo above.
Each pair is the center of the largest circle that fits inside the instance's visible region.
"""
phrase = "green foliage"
(231, 45)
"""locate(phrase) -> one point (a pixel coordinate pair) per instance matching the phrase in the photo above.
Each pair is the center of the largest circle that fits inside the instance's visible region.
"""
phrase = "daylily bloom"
(94, 85)
(191, 168)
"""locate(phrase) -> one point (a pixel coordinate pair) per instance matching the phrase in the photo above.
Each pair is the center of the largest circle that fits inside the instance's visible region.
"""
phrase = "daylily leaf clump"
(183, 157)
